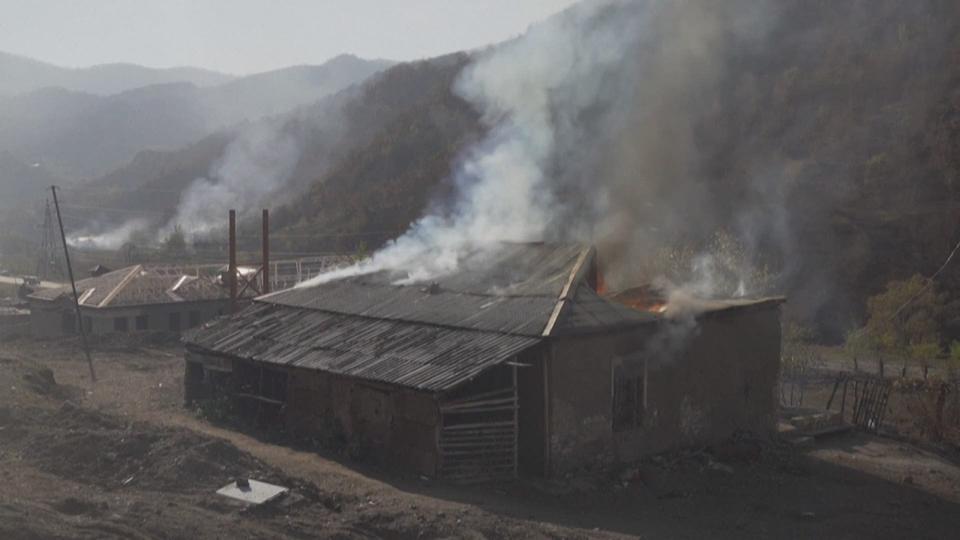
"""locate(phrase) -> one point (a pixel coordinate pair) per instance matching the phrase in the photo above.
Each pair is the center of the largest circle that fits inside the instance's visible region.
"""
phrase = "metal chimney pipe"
(266, 251)
(232, 268)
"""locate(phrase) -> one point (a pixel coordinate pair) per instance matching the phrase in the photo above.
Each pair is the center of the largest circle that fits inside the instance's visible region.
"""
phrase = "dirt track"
(123, 459)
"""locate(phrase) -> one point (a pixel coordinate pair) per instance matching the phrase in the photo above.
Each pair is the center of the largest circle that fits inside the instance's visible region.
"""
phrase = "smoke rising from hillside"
(592, 137)
(112, 239)
(257, 163)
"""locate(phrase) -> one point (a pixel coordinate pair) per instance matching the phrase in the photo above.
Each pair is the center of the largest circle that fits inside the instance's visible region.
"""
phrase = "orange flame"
(643, 299)
(601, 283)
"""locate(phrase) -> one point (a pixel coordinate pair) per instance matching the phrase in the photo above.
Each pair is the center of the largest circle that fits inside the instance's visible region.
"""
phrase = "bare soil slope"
(121, 458)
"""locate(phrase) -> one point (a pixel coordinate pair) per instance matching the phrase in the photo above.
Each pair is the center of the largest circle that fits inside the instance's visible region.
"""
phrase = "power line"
(928, 284)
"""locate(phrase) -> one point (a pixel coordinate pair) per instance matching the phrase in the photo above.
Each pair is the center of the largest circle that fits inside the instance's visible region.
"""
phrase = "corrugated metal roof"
(424, 357)
(425, 336)
(525, 315)
(513, 289)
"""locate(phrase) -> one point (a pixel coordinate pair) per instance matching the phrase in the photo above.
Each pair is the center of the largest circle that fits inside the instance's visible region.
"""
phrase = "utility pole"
(73, 285)
(266, 252)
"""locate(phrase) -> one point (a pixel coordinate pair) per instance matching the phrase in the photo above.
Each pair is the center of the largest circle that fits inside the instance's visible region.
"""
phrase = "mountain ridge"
(53, 125)
(25, 74)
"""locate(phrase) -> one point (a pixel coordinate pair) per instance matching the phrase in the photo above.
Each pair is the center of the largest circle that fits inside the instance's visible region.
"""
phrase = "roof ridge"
(565, 292)
(120, 286)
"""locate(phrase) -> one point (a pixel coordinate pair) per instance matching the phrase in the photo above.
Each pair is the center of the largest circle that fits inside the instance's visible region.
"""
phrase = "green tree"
(923, 353)
(361, 252)
(903, 321)
(857, 345)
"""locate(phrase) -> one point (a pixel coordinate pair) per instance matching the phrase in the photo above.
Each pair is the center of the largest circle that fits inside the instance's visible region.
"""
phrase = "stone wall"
(719, 378)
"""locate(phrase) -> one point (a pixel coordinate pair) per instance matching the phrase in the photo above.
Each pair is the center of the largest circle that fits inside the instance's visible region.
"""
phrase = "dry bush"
(929, 410)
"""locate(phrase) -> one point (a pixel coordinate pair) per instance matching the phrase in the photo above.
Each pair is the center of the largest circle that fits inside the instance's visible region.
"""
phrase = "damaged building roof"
(138, 285)
(524, 289)
(430, 336)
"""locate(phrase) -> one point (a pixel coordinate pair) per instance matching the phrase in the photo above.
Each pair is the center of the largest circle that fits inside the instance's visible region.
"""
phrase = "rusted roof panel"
(425, 357)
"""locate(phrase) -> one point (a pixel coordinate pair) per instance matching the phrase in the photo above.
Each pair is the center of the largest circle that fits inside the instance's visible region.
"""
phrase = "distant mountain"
(405, 113)
(274, 92)
(21, 75)
(81, 135)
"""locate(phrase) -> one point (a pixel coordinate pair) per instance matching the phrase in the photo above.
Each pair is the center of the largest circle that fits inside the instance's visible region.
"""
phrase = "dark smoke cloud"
(704, 145)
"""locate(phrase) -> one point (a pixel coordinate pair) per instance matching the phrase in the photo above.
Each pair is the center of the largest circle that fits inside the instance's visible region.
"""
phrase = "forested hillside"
(849, 139)
(830, 139)
(408, 105)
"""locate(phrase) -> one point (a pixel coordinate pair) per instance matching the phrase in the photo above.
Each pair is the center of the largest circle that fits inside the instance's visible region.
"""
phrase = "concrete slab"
(255, 492)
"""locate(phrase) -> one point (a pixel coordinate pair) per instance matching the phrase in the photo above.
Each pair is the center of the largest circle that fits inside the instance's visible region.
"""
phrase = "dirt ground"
(122, 458)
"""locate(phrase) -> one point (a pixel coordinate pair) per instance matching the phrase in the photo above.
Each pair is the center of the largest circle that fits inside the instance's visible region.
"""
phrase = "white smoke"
(591, 121)
(110, 240)
(255, 164)
(528, 90)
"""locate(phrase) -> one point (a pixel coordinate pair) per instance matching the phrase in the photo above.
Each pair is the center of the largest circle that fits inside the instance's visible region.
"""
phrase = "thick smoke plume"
(592, 117)
(529, 90)
(255, 164)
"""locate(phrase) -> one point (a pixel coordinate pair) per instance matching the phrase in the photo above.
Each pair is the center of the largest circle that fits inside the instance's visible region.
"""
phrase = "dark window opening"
(141, 322)
(629, 402)
(174, 322)
(193, 318)
(87, 325)
(120, 324)
(263, 382)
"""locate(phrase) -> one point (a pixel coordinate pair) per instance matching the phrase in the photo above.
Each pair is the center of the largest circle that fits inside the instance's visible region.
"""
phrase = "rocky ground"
(121, 458)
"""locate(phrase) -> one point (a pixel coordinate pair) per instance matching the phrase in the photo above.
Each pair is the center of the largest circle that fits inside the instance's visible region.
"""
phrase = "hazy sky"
(242, 36)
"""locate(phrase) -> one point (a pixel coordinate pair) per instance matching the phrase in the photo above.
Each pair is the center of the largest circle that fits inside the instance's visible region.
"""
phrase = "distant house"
(14, 321)
(512, 365)
(136, 298)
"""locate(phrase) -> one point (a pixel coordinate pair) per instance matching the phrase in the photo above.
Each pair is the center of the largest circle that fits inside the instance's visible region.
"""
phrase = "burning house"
(510, 365)
(136, 298)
